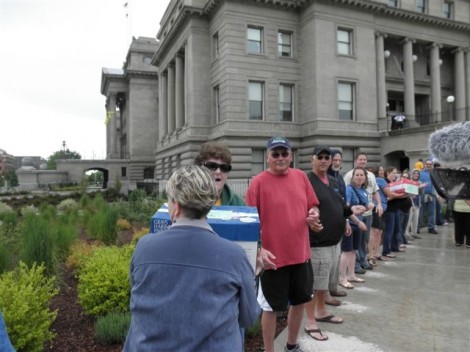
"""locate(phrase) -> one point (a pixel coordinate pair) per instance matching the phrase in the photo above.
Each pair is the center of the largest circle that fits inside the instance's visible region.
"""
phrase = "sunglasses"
(214, 166)
(321, 157)
(276, 155)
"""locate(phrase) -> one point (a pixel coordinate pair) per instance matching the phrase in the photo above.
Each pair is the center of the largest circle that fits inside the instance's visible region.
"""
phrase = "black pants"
(462, 227)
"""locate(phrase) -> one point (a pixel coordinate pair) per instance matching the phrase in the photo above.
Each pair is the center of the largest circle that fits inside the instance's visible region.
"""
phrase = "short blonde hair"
(193, 188)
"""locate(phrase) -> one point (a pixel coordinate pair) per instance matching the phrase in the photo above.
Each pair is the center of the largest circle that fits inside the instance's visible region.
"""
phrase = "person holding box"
(189, 254)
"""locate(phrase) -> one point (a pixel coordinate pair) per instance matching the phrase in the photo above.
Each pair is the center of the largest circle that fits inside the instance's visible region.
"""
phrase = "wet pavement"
(418, 302)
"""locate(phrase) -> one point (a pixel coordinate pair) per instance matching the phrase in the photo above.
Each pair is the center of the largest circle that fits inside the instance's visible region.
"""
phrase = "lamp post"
(450, 100)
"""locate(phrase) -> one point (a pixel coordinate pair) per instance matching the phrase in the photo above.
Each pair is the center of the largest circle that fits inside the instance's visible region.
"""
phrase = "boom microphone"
(451, 146)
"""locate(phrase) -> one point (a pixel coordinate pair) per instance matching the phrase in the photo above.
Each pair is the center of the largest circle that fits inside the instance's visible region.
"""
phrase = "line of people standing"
(318, 231)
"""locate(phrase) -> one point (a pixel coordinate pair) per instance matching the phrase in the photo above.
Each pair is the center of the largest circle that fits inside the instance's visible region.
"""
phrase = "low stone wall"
(30, 180)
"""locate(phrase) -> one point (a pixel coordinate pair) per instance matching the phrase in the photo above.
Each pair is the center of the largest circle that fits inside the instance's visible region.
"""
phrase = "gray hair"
(193, 188)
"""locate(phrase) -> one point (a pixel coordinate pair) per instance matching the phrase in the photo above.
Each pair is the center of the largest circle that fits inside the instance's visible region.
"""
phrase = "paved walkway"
(419, 302)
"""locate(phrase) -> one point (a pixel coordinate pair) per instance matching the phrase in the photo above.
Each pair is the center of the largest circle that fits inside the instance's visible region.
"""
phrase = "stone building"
(317, 71)
(131, 112)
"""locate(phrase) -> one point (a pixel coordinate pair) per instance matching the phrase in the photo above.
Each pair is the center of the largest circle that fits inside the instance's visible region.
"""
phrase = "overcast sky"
(51, 56)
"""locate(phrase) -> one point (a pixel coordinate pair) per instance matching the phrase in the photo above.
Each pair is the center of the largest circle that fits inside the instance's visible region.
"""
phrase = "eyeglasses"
(321, 157)
(214, 166)
(276, 155)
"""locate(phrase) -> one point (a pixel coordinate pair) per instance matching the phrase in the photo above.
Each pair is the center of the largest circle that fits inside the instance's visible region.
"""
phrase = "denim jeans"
(361, 253)
(429, 209)
(390, 225)
(403, 228)
(439, 218)
(398, 230)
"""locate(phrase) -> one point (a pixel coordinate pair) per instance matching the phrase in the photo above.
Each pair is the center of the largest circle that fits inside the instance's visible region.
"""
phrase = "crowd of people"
(318, 231)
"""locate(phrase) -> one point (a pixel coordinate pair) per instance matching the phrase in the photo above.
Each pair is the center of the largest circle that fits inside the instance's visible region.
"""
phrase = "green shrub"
(29, 209)
(10, 246)
(4, 258)
(64, 235)
(102, 224)
(79, 253)
(67, 204)
(136, 195)
(112, 328)
(84, 201)
(8, 218)
(5, 208)
(37, 242)
(104, 280)
(25, 295)
(139, 211)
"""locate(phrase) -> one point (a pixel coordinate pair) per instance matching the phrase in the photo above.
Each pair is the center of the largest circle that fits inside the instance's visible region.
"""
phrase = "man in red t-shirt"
(287, 206)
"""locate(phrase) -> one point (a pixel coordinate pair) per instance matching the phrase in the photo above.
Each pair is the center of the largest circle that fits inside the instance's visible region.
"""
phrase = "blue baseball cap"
(278, 142)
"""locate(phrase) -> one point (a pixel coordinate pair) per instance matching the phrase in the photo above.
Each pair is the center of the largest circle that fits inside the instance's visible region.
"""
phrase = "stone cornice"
(383, 9)
(366, 5)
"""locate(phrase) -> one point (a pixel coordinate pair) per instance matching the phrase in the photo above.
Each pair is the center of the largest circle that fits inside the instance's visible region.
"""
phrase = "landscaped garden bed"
(85, 246)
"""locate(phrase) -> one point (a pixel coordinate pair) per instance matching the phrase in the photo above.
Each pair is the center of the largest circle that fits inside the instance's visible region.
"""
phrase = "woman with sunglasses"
(217, 158)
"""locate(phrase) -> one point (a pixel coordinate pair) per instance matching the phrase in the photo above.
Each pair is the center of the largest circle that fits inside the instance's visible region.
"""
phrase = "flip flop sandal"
(333, 302)
(310, 333)
(357, 279)
(347, 285)
(329, 319)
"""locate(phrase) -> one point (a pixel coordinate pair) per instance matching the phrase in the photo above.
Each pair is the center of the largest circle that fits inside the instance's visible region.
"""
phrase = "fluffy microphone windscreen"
(451, 145)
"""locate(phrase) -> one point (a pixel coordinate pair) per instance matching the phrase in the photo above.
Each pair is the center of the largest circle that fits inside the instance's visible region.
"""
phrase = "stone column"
(436, 108)
(409, 86)
(380, 62)
(163, 103)
(459, 84)
(179, 92)
(171, 99)
(112, 123)
(467, 86)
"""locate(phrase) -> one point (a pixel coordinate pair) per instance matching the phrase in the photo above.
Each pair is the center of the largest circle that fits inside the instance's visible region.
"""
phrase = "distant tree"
(10, 178)
(61, 154)
(94, 178)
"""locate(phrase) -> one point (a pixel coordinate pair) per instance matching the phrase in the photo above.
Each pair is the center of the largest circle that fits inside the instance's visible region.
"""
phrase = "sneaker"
(417, 237)
(433, 231)
(295, 349)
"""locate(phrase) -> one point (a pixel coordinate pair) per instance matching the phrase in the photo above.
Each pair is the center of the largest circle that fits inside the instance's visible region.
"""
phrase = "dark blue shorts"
(351, 243)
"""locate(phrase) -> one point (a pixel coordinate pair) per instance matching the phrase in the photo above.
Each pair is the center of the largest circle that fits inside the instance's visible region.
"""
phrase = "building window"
(348, 158)
(255, 97)
(284, 44)
(285, 102)
(215, 45)
(258, 159)
(345, 37)
(216, 98)
(448, 8)
(149, 172)
(346, 100)
(392, 3)
(255, 40)
(421, 6)
(123, 172)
